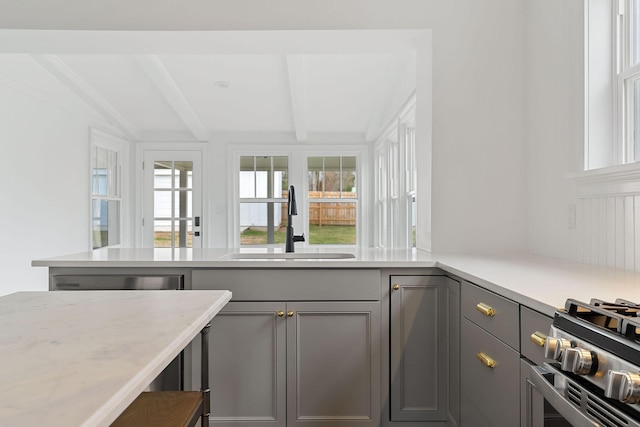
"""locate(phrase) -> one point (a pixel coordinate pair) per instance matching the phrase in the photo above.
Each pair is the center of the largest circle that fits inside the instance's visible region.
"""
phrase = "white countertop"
(80, 358)
(541, 283)
(218, 258)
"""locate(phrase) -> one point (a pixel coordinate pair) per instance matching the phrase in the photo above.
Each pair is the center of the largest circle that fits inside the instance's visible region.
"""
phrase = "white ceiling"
(297, 86)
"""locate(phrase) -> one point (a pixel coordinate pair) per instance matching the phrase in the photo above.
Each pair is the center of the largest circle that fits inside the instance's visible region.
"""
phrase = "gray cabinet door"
(247, 362)
(333, 366)
(418, 366)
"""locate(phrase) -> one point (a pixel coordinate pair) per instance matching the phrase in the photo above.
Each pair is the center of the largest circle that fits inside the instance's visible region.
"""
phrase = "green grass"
(325, 235)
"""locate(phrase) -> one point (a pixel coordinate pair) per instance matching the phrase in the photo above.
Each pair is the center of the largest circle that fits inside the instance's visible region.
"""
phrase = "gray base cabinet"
(333, 364)
(489, 359)
(418, 348)
(294, 362)
(247, 361)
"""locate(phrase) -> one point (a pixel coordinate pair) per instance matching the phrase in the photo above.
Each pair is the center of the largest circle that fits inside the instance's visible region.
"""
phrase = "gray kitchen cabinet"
(418, 348)
(490, 359)
(247, 361)
(290, 362)
(333, 364)
(453, 351)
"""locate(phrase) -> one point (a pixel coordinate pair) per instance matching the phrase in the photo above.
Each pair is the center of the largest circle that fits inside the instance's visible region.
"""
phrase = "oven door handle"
(553, 396)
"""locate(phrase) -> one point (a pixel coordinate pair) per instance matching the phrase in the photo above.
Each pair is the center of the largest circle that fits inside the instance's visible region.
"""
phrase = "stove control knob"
(624, 386)
(554, 347)
(579, 361)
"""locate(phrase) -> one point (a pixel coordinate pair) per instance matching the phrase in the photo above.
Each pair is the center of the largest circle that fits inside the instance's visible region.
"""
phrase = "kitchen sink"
(290, 255)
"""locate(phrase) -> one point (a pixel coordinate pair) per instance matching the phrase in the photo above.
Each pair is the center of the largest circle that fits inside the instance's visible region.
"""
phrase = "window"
(332, 200)
(628, 78)
(263, 184)
(396, 181)
(106, 187)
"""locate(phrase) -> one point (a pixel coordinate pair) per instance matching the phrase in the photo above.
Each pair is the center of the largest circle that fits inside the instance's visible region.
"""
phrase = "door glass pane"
(332, 223)
(162, 174)
(105, 223)
(172, 203)
(183, 233)
(162, 234)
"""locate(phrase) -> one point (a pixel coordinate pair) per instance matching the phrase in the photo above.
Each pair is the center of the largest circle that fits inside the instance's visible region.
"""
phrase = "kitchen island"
(80, 358)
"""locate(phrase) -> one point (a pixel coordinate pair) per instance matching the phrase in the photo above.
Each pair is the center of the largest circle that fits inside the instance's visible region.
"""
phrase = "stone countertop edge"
(540, 283)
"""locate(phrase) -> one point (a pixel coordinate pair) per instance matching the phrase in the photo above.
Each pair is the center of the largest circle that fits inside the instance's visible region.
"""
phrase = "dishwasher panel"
(172, 378)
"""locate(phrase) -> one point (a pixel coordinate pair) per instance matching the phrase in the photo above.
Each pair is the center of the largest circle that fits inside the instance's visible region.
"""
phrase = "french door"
(172, 205)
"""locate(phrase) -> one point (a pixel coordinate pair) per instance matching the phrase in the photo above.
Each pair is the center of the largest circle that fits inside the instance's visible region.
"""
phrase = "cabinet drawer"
(500, 316)
(534, 328)
(292, 285)
(492, 391)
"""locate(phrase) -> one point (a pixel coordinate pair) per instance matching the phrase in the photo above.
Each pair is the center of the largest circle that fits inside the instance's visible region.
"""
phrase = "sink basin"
(290, 255)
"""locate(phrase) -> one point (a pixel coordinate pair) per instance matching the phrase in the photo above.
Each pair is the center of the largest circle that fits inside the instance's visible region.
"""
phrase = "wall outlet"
(571, 216)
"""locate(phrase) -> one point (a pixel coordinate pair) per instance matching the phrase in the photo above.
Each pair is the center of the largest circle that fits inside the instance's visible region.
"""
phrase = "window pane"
(635, 32)
(105, 223)
(332, 223)
(262, 184)
(263, 223)
(280, 177)
(635, 149)
(263, 177)
(349, 177)
(331, 177)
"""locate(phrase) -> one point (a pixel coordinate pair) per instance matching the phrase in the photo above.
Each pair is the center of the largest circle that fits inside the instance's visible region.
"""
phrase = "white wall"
(478, 191)
(555, 121)
(45, 208)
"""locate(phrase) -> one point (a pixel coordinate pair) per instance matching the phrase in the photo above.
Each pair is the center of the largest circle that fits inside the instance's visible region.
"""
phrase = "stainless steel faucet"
(292, 210)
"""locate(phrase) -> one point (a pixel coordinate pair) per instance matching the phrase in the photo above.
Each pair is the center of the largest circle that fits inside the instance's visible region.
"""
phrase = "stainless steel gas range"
(593, 374)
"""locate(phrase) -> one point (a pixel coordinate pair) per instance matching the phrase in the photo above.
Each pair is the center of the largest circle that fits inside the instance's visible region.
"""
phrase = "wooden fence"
(340, 212)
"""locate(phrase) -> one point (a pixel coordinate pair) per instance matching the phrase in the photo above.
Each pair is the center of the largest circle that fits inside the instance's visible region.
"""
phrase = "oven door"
(577, 405)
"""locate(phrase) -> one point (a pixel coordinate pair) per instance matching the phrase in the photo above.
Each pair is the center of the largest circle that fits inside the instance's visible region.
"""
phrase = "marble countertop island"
(73, 359)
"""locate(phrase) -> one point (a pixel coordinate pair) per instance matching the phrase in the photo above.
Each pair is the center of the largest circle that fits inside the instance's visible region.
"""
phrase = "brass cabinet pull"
(538, 338)
(290, 313)
(486, 360)
(396, 287)
(280, 313)
(485, 309)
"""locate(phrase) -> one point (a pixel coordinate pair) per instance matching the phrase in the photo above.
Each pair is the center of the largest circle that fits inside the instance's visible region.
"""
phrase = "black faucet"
(293, 210)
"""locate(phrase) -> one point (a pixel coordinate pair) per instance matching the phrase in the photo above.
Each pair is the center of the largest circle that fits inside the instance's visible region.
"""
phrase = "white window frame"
(357, 200)
(233, 235)
(625, 74)
(298, 177)
(396, 180)
(101, 139)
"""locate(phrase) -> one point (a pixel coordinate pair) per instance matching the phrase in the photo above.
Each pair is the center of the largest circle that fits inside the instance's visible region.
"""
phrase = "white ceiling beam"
(61, 71)
(162, 79)
(295, 69)
(384, 96)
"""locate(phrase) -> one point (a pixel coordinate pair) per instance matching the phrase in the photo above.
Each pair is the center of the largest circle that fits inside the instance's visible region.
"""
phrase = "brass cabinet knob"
(396, 287)
(280, 313)
(485, 309)
(538, 338)
(486, 360)
(290, 313)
